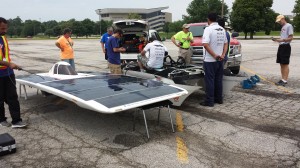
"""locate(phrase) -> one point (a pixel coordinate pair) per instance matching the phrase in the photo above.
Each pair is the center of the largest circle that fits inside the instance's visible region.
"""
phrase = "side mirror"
(235, 34)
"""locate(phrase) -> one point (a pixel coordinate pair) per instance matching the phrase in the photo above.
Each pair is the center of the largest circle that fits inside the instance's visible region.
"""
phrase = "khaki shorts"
(186, 54)
(115, 69)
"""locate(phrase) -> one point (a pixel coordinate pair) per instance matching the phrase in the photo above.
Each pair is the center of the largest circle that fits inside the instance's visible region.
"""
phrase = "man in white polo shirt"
(157, 51)
(215, 44)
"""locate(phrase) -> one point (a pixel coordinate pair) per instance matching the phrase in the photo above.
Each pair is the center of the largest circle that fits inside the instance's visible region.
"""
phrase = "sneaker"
(4, 124)
(19, 124)
(281, 83)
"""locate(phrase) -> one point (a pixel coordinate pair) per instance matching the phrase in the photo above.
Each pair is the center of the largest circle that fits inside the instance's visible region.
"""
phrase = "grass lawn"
(273, 33)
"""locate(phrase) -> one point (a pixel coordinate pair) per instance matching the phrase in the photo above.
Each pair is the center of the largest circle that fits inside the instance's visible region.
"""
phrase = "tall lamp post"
(222, 15)
(98, 11)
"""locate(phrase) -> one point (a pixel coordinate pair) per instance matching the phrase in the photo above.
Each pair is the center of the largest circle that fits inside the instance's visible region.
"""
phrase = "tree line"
(30, 28)
(247, 16)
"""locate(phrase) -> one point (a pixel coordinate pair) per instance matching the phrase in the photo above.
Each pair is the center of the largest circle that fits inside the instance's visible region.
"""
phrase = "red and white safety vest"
(4, 56)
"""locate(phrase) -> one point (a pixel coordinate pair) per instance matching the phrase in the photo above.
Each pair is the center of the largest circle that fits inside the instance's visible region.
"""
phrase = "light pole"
(222, 15)
(98, 11)
(40, 25)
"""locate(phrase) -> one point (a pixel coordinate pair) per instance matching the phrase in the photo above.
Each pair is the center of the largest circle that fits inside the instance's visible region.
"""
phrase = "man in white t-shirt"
(156, 51)
(215, 44)
(284, 49)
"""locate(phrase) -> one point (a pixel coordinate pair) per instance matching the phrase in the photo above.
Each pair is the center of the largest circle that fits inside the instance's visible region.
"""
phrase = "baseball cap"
(279, 17)
(185, 26)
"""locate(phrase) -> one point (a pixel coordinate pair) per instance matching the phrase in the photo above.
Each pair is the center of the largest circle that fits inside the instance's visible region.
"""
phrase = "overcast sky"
(59, 10)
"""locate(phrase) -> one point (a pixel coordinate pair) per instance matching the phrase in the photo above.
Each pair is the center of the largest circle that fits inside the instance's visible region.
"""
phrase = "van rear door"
(131, 25)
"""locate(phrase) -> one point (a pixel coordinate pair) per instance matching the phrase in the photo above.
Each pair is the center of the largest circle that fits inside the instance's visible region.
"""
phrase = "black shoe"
(281, 83)
(205, 104)
(227, 72)
(219, 101)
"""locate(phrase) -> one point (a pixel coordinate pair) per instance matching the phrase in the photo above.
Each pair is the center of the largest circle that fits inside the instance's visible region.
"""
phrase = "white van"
(133, 31)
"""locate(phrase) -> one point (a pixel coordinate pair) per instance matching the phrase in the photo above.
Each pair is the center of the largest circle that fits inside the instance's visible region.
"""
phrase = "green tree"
(57, 30)
(67, 24)
(166, 27)
(199, 9)
(50, 24)
(251, 16)
(176, 26)
(15, 27)
(270, 25)
(89, 27)
(31, 28)
(78, 29)
(134, 16)
(104, 26)
(296, 11)
(49, 32)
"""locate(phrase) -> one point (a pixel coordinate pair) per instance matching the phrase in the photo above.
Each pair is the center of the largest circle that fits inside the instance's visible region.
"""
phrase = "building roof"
(130, 10)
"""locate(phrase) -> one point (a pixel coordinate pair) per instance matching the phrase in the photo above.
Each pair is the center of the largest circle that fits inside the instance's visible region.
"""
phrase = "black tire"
(235, 70)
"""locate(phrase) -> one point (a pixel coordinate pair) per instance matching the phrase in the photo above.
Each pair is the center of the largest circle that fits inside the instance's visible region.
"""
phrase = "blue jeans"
(70, 61)
(213, 81)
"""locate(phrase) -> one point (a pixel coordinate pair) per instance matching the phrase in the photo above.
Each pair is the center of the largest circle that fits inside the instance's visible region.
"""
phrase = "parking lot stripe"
(182, 150)
(265, 79)
(179, 122)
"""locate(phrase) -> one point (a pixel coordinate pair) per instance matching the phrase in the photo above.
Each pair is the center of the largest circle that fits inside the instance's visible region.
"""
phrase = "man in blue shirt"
(113, 52)
(104, 40)
(8, 92)
(227, 71)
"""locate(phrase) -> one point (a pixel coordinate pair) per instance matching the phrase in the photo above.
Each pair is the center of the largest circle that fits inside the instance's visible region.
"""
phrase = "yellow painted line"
(179, 122)
(182, 150)
(265, 79)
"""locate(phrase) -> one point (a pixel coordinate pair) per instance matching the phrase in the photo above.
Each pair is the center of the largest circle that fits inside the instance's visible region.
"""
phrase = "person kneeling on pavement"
(156, 52)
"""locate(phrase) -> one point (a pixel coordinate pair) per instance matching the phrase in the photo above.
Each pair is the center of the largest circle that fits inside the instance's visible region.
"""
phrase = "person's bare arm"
(143, 53)
(121, 49)
(210, 51)
(190, 39)
(174, 41)
(279, 40)
(102, 46)
(224, 50)
(58, 46)
(10, 64)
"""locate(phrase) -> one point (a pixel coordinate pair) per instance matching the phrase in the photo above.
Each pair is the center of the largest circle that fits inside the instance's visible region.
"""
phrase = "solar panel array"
(108, 90)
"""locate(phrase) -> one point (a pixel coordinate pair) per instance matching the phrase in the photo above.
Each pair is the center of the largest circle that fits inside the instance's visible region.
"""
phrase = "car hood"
(198, 41)
(131, 25)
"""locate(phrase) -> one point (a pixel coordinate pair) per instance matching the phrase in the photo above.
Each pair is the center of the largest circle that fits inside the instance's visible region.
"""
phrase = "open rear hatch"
(131, 25)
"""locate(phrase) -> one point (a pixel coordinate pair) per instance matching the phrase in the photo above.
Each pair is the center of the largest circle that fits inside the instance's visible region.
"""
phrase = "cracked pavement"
(253, 128)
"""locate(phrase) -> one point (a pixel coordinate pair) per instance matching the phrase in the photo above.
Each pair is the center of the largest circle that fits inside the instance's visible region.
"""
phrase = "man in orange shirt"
(65, 44)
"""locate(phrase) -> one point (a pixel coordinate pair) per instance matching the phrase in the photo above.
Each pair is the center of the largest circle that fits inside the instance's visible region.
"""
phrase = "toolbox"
(7, 144)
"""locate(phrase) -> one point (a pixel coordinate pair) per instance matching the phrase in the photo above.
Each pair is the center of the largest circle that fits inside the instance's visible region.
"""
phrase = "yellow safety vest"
(228, 52)
(5, 57)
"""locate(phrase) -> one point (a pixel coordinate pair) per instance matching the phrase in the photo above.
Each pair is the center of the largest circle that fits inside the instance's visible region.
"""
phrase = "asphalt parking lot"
(253, 128)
